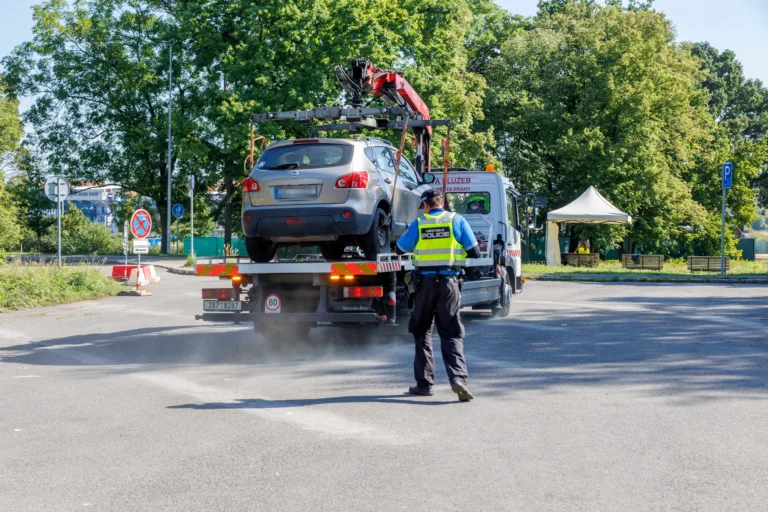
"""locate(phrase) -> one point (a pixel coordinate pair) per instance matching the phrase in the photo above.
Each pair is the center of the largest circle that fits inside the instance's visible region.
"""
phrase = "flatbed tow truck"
(288, 298)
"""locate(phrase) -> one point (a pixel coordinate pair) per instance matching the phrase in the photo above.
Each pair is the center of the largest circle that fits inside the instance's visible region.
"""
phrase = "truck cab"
(489, 202)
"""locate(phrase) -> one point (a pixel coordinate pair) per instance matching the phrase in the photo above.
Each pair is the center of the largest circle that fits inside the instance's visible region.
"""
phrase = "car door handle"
(410, 186)
(387, 181)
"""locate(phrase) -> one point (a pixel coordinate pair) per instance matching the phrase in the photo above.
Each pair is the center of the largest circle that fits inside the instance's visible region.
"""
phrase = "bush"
(34, 285)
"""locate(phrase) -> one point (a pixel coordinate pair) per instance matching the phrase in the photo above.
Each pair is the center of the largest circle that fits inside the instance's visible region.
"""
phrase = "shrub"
(81, 236)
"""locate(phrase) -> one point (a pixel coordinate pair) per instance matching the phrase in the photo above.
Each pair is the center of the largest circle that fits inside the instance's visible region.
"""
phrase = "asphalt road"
(589, 397)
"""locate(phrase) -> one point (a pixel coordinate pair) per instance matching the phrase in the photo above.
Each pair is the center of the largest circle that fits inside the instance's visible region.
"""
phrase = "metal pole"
(191, 225)
(170, 143)
(58, 221)
(722, 240)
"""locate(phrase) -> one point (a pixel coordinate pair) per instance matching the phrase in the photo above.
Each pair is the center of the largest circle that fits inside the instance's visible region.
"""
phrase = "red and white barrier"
(143, 278)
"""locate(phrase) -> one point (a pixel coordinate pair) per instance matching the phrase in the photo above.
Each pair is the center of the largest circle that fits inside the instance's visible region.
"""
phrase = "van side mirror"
(428, 178)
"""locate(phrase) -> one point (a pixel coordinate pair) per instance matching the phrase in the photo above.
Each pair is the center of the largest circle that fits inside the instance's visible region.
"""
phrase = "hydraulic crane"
(409, 110)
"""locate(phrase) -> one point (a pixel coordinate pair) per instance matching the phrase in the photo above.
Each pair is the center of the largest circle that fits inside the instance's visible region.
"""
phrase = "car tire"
(260, 251)
(332, 252)
(376, 241)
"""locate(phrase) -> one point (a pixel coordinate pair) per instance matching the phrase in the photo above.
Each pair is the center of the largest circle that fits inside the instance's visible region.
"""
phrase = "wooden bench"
(642, 261)
(581, 259)
(706, 263)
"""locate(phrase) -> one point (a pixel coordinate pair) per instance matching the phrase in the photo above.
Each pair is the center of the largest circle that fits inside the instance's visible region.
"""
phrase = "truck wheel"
(260, 251)
(332, 252)
(376, 241)
(505, 303)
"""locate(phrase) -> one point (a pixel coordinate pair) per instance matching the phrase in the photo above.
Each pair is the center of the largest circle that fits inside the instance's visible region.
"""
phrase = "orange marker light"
(335, 278)
(490, 168)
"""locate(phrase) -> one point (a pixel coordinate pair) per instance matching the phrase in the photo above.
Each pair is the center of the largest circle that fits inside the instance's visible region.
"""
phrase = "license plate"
(306, 192)
(222, 305)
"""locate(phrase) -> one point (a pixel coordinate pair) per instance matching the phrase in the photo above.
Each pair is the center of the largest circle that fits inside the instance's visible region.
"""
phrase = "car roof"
(350, 142)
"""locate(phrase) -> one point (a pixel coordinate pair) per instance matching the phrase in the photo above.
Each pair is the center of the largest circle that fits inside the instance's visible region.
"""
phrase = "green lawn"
(612, 270)
(33, 285)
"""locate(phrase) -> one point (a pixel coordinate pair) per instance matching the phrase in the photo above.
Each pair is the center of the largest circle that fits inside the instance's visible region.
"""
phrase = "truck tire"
(260, 251)
(376, 241)
(332, 252)
(505, 303)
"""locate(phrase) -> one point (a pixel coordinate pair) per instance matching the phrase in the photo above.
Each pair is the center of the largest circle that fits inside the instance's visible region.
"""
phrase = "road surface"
(589, 397)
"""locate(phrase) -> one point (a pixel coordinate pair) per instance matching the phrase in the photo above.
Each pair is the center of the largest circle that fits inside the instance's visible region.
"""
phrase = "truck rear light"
(250, 185)
(354, 180)
(363, 292)
(219, 293)
(306, 141)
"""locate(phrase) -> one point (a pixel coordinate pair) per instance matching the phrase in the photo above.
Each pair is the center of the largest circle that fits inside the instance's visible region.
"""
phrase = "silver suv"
(328, 192)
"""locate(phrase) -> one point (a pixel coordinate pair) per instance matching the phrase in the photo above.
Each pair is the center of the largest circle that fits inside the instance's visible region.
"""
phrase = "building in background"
(97, 203)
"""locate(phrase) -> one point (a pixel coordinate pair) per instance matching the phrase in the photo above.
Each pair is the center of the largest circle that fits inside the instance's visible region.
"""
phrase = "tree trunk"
(230, 190)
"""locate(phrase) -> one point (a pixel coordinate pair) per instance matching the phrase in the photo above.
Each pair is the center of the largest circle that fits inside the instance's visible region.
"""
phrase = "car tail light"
(306, 141)
(219, 293)
(363, 292)
(354, 180)
(250, 185)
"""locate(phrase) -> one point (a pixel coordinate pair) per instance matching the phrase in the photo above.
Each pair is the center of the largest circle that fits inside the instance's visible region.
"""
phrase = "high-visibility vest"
(437, 246)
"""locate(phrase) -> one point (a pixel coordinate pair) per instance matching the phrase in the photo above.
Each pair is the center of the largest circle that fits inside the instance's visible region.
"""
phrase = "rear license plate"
(222, 305)
(301, 192)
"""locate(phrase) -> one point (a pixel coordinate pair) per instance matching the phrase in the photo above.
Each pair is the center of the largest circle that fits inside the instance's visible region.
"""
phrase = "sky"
(738, 25)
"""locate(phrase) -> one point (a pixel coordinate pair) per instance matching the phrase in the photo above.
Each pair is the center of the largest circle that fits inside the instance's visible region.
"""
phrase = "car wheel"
(505, 303)
(376, 241)
(332, 252)
(260, 251)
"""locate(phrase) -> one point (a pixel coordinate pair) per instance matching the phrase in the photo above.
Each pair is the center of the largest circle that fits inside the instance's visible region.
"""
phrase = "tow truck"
(288, 298)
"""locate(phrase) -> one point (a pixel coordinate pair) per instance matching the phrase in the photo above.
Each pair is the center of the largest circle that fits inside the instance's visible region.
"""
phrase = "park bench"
(581, 259)
(706, 263)
(642, 261)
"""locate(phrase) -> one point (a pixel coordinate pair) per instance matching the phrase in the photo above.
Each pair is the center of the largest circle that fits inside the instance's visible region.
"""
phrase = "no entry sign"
(141, 224)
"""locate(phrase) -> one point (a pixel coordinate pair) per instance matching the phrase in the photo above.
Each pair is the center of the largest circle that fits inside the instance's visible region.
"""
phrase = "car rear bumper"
(291, 222)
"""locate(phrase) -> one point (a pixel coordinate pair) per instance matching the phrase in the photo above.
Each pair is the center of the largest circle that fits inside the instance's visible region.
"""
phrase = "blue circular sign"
(178, 210)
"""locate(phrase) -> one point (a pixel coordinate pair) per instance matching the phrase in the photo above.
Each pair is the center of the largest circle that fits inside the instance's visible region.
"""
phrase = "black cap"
(429, 194)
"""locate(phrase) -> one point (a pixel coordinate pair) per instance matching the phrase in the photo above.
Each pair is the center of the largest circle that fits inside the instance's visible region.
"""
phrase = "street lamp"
(169, 44)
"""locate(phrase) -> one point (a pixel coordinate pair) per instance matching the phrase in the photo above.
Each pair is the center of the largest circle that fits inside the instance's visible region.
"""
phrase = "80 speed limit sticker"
(272, 304)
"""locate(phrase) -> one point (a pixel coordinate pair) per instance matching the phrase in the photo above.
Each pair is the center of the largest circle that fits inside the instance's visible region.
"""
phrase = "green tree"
(603, 96)
(98, 73)
(10, 134)
(33, 207)
(81, 236)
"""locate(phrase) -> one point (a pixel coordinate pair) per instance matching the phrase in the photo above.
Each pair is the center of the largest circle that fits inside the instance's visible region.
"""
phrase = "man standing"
(441, 242)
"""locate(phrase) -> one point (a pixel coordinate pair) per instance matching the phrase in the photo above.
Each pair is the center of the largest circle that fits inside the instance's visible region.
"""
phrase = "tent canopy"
(589, 208)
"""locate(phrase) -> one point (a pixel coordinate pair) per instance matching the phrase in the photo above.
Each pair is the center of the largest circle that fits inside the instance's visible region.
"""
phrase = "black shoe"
(462, 390)
(420, 391)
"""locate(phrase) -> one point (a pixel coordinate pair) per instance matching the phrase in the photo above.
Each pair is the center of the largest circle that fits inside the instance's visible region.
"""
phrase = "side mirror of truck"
(519, 228)
(428, 178)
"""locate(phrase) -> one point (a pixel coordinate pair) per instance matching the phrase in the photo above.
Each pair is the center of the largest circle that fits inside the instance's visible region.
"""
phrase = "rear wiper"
(283, 167)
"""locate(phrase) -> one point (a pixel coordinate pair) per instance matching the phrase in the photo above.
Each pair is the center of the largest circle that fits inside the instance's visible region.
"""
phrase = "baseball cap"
(429, 194)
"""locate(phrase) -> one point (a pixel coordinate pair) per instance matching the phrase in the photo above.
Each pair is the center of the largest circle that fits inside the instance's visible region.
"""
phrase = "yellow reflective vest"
(437, 246)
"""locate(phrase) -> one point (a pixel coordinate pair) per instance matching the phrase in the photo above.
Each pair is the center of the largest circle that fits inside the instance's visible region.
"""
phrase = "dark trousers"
(438, 299)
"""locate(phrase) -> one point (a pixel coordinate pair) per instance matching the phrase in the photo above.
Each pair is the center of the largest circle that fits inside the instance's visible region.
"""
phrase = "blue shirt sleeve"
(463, 232)
(407, 242)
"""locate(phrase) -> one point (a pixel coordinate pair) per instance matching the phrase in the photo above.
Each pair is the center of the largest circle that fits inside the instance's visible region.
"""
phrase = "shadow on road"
(260, 403)
(693, 347)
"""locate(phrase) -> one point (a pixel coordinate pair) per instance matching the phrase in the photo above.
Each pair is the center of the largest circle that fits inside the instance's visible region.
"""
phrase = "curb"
(179, 271)
(617, 279)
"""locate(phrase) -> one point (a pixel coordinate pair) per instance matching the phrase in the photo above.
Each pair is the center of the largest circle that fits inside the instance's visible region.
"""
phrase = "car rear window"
(469, 202)
(305, 155)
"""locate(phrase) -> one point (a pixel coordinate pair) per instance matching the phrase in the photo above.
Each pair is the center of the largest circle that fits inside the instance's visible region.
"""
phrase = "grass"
(673, 270)
(31, 285)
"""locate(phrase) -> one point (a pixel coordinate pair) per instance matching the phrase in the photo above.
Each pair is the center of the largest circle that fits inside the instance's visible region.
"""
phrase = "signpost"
(191, 184)
(141, 225)
(57, 190)
(125, 242)
(727, 184)
(178, 212)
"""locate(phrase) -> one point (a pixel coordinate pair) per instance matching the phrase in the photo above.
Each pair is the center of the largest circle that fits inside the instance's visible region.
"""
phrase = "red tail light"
(363, 292)
(354, 180)
(250, 185)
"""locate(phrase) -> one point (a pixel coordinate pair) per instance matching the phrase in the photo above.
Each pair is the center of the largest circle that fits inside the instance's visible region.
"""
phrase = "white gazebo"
(589, 208)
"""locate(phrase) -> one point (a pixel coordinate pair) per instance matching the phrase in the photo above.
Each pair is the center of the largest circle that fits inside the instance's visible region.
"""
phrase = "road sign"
(727, 175)
(191, 183)
(140, 247)
(141, 224)
(272, 304)
(57, 189)
(177, 210)
(540, 202)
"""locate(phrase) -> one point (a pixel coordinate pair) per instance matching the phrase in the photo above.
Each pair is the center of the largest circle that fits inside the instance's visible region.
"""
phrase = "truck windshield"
(469, 202)
(283, 158)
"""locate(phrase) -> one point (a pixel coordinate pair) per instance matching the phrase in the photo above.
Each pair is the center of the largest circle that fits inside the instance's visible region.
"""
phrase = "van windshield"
(297, 156)
(468, 203)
